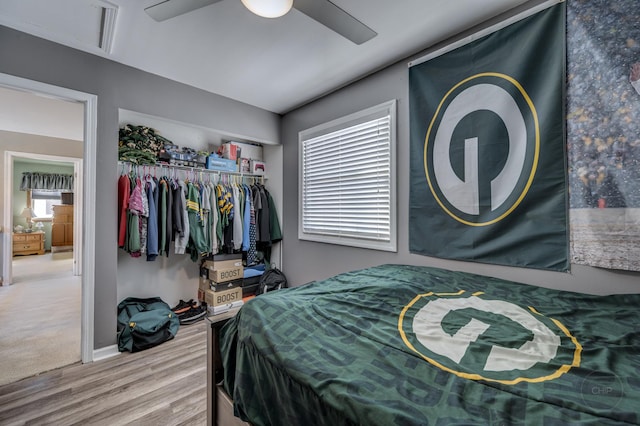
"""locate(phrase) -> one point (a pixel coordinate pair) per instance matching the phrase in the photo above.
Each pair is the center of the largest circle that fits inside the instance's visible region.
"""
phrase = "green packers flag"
(488, 176)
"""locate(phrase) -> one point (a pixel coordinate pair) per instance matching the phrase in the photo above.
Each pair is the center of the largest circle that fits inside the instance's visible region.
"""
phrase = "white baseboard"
(106, 352)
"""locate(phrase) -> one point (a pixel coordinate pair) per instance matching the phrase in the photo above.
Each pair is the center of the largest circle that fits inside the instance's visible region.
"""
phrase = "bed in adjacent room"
(410, 345)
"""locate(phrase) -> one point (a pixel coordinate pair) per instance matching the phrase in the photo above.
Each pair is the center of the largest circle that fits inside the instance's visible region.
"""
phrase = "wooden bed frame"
(219, 404)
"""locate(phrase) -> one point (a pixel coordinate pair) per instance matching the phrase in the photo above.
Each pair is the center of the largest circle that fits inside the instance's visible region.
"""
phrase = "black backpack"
(272, 279)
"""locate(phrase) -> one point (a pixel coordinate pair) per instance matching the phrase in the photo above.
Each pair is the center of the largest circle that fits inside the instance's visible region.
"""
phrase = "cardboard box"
(221, 275)
(229, 150)
(253, 151)
(226, 285)
(223, 264)
(245, 165)
(207, 284)
(227, 274)
(219, 257)
(217, 298)
(221, 164)
(258, 167)
(222, 271)
(220, 309)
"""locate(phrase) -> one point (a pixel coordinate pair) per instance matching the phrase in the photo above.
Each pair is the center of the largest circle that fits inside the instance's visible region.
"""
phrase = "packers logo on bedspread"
(478, 338)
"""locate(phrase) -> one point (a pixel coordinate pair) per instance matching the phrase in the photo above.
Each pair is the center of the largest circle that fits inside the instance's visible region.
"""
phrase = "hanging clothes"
(183, 239)
(249, 225)
(246, 218)
(198, 218)
(220, 224)
(237, 218)
(177, 211)
(169, 232)
(214, 219)
(136, 208)
(144, 218)
(124, 191)
(257, 206)
(162, 216)
(264, 235)
(205, 212)
(152, 223)
(252, 253)
(268, 225)
(225, 204)
(196, 247)
(274, 223)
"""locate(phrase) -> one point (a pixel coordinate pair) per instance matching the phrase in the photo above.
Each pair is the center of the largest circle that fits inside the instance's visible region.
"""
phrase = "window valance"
(46, 181)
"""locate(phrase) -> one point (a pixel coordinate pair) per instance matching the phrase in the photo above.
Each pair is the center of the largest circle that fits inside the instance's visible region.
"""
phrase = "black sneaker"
(183, 307)
(194, 314)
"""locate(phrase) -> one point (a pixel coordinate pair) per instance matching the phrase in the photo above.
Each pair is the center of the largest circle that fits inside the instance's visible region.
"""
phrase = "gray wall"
(304, 261)
(119, 86)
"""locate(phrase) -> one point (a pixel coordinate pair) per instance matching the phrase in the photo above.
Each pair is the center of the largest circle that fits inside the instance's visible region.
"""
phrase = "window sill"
(42, 219)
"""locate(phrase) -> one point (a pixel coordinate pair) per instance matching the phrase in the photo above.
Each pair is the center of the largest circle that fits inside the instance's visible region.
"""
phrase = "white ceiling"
(276, 64)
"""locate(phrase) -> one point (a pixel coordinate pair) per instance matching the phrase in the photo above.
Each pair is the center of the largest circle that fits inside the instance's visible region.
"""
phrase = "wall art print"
(603, 132)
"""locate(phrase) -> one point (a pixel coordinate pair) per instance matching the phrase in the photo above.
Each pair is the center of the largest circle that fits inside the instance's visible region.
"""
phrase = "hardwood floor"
(164, 385)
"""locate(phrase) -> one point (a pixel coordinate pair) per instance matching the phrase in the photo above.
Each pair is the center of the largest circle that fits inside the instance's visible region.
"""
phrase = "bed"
(410, 345)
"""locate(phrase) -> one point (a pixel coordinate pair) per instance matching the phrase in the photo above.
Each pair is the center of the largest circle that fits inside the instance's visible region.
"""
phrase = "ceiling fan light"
(269, 8)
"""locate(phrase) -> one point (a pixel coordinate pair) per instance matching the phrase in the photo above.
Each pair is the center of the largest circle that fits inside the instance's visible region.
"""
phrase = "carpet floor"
(40, 317)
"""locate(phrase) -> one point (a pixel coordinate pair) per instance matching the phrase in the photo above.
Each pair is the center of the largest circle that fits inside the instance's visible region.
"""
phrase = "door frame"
(87, 167)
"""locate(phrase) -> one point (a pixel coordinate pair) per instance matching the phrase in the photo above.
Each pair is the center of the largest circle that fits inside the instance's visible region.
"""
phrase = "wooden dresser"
(28, 243)
(62, 225)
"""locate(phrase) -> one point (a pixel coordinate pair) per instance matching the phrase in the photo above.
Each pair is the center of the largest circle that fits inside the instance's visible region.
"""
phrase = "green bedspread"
(408, 345)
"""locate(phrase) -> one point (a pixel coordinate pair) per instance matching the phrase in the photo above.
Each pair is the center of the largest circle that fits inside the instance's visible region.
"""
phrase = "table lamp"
(28, 214)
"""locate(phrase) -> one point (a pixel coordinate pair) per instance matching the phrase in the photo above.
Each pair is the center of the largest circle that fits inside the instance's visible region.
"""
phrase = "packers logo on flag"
(478, 338)
(488, 175)
(485, 107)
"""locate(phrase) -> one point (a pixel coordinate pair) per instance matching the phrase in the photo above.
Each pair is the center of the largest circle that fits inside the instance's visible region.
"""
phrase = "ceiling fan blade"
(172, 8)
(331, 16)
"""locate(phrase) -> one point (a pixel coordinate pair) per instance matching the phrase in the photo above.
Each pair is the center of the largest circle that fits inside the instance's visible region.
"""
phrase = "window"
(43, 200)
(347, 180)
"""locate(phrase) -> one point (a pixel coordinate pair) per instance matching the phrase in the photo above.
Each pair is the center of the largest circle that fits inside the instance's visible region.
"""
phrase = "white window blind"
(42, 202)
(347, 176)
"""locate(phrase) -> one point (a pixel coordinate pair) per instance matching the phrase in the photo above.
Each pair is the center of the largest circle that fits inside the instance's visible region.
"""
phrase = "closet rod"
(192, 169)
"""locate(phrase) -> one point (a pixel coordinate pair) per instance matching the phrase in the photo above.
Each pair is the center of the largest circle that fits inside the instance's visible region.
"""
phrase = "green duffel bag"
(145, 323)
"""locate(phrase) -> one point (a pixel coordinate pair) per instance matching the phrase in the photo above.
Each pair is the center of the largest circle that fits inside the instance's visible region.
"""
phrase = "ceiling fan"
(323, 11)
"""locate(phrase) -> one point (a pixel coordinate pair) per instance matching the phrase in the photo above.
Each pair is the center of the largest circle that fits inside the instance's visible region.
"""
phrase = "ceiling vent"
(107, 26)
(87, 25)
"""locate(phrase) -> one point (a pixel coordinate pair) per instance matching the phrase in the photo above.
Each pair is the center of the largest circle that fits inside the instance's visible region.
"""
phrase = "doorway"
(84, 225)
(16, 163)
